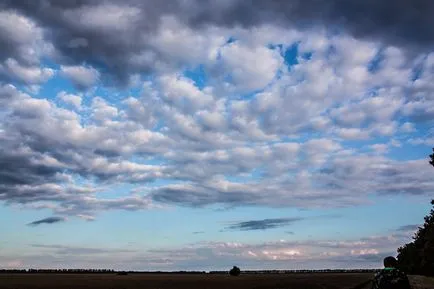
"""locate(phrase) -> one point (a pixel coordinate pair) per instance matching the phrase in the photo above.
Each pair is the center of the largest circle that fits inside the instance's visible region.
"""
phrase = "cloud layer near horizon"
(281, 254)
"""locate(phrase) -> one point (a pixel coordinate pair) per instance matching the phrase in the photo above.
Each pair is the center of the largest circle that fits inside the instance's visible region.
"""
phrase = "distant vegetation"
(59, 271)
(417, 257)
(109, 271)
(235, 271)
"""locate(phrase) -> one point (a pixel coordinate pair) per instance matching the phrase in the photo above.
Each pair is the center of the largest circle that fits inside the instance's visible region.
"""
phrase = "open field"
(421, 282)
(173, 281)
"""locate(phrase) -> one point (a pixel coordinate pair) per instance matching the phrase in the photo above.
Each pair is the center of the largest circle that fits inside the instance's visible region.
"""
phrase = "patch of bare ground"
(172, 281)
(421, 282)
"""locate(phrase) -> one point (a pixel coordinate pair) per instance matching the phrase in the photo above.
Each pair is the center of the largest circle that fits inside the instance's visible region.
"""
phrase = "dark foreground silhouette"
(390, 277)
(199, 281)
(187, 281)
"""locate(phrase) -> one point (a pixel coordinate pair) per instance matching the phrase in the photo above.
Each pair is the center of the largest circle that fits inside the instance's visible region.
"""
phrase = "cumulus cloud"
(27, 74)
(142, 37)
(249, 68)
(21, 39)
(71, 99)
(81, 76)
(238, 112)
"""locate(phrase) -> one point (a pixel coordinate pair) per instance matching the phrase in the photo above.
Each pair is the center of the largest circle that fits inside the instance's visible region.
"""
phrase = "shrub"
(235, 271)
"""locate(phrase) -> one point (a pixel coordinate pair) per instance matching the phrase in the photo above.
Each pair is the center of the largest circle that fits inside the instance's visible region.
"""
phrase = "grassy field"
(421, 282)
(172, 281)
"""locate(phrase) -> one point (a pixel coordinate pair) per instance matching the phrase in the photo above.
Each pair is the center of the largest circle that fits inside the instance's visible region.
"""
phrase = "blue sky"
(130, 142)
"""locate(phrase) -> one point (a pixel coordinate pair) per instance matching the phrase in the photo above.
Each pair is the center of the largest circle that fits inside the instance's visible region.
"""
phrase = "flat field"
(174, 281)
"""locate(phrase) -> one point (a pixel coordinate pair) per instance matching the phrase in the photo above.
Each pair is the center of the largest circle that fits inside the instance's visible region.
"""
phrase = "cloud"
(250, 68)
(380, 21)
(407, 228)
(422, 141)
(49, 220)
(21, 39)
(26, 74)
(73, 250)
(294, 124)
(142, 38)
(71, 99)
(364, 252)
(264, 224)
(81, 76)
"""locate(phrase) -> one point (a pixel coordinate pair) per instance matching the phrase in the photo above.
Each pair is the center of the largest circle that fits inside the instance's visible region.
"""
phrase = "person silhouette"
(390, 277)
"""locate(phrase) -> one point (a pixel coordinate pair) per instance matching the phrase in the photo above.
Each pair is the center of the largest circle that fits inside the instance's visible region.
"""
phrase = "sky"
(198, 135)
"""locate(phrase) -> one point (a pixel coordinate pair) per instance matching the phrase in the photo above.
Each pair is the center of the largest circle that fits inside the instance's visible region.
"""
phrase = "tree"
(432, 158)
(417, 257)
(235, 271)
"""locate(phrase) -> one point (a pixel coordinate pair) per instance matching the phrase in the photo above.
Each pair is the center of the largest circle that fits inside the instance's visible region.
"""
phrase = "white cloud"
(250, 68)
(181, 92)
(297, 142)
(27, 74)
(352, 133)
(22, 38)
(71, 99)
(102, 110)
(380, 148)
(407, 127)
(83, 77)
(422, 141)
(181, 44)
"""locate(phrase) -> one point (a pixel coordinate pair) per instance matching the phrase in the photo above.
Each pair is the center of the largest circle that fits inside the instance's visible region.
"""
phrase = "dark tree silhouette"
(235, 271)
(432, 158)
(417, 257)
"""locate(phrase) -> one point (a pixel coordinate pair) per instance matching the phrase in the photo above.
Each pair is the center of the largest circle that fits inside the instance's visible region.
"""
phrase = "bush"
(235, 271)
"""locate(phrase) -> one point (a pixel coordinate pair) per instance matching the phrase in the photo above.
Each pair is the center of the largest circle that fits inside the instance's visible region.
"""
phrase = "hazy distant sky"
(187, 134)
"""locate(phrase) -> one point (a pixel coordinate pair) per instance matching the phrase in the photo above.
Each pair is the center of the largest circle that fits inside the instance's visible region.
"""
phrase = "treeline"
(106, 271)
(163, 272)
(300, 271)
(92, 271)
(58, 271)
(417, 257)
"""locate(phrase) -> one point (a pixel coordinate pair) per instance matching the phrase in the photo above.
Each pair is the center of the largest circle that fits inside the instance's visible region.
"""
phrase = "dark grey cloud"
(114, 35)
(393, 22)
(49, 220)
(407, 228)
(264, 224)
